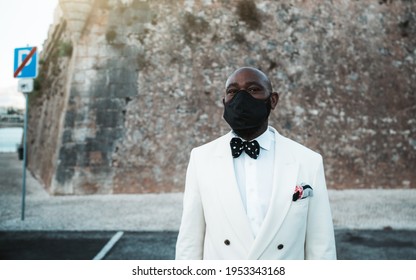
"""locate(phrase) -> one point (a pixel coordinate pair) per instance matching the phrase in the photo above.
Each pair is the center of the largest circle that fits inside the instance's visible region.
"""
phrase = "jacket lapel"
(284, 181)
(229, 195)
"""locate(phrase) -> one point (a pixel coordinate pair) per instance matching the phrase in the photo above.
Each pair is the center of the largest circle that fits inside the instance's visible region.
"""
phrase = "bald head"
(247, 75)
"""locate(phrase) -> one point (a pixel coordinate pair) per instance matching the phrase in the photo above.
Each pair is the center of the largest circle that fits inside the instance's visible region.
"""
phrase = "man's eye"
(254, 89)
(231, 91)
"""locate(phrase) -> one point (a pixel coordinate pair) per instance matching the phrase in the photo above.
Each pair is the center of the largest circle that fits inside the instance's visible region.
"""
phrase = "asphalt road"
(160, 245)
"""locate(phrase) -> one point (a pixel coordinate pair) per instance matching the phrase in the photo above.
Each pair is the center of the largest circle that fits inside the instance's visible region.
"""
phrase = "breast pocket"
(297, 215)
(299, 206)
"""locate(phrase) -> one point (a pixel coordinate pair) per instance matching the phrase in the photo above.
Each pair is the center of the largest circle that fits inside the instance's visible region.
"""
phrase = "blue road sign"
(30, 70)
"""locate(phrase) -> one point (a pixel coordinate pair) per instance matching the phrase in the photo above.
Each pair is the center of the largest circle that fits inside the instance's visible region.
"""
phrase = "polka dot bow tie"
(252, 148)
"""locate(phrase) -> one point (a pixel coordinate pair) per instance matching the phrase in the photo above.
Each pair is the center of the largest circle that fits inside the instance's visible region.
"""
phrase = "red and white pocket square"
(302, 191)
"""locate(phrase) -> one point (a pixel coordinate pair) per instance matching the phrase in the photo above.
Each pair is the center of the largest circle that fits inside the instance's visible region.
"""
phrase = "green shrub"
(110, 36)
(65, 49)
(194, 28)
(248, 12)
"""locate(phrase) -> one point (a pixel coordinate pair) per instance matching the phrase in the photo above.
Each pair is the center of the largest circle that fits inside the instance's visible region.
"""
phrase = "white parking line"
(116, 237)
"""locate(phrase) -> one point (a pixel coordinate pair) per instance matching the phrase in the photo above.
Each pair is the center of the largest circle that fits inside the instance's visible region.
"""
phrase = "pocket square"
(302, 191)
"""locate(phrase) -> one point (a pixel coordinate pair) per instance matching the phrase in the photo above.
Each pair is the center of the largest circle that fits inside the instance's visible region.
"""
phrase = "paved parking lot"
(66, 245)
(160, 245)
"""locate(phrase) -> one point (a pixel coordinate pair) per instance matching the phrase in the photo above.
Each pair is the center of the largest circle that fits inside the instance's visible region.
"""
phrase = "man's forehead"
(246, 75)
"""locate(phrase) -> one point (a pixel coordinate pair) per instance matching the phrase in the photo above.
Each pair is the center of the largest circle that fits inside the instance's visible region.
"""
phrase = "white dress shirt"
(255, 180)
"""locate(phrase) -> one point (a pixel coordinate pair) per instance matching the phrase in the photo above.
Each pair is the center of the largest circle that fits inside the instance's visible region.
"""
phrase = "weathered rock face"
(46, 106)
(145, 80)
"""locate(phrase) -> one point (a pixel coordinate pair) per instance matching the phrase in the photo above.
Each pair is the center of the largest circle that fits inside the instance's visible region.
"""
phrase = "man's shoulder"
(212, 145)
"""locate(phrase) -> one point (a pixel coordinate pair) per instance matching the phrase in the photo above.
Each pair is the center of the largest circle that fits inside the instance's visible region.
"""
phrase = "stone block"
(109, 118)
(123, 90)
(69, 119)
(63, 176)
(95, 158)
(102, 104)
(67, 136)
(68, 155)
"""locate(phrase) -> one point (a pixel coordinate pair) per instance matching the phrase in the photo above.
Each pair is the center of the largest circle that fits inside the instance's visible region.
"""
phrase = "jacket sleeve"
(190, 243)
(320, 240)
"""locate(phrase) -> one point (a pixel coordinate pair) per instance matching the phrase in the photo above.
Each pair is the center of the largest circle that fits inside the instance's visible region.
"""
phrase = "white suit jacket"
(214, 222)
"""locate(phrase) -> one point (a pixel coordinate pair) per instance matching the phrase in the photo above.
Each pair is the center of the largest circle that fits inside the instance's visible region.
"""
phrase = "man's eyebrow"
(232, 85)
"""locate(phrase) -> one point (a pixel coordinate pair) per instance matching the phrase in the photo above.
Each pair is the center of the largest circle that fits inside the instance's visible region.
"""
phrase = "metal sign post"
(25, 86)
(24, 157)
(25, 66)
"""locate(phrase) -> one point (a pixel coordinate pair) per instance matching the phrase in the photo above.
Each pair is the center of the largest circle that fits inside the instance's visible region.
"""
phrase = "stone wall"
(46, 105)
(145, 79)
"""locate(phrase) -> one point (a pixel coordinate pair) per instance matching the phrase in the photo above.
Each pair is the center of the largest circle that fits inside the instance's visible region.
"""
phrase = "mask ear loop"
(268, 102)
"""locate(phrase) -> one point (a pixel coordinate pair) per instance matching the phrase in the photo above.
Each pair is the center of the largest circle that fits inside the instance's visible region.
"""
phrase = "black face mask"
(246, 114)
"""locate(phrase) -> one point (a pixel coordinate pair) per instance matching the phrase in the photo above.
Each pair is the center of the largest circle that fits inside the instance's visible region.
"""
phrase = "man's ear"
(274, 99)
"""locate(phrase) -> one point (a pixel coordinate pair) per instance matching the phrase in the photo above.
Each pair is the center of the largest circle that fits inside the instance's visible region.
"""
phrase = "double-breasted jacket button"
(280, 246)
(227, 242)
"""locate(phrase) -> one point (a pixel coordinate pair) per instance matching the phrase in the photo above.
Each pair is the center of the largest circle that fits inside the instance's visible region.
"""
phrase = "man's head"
(250, 79)
(248, 99)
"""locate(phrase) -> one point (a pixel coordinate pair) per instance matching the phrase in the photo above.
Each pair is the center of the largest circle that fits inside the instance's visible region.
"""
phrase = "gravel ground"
(351, 209)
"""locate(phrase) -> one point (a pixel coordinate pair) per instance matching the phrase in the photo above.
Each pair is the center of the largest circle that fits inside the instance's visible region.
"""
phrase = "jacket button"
(227, 242)
(280, 246)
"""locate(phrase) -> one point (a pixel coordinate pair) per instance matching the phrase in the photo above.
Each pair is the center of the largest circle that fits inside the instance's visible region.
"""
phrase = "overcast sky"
(23, 23)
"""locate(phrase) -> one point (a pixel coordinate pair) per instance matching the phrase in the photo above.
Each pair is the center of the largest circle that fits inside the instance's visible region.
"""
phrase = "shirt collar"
(266, 139)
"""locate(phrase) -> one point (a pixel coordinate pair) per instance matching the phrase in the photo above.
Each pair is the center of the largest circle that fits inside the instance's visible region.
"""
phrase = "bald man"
(252, 193)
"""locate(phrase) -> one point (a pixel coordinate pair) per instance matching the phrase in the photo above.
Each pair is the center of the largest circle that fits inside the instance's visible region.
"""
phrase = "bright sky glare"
(22, 23)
